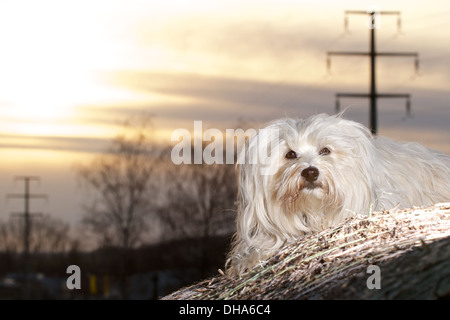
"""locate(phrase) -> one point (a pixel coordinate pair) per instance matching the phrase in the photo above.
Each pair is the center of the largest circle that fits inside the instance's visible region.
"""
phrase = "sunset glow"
(72, 71)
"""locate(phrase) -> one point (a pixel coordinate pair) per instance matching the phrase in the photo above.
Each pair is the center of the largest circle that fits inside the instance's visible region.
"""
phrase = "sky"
(72, 71)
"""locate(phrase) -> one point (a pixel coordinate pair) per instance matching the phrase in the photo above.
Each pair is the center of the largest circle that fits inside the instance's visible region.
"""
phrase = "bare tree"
(48, 234)
(201, 200)
(11, 236)
(200, 204)
(120, 183)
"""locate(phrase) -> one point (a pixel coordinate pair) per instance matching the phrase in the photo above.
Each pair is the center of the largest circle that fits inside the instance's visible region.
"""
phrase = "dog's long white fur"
(360, 174)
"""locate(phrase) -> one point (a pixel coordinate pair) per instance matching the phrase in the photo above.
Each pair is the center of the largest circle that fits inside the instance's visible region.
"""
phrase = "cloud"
(212, 97)
(80, 144)
(221, 101)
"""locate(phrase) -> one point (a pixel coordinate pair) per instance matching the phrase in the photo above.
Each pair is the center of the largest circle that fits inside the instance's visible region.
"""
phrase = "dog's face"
(304, 171)
(317, 159)
(314, 163)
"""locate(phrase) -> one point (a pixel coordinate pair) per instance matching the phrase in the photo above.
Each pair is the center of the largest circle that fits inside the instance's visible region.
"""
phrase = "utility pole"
(27, 228)
(373, 95)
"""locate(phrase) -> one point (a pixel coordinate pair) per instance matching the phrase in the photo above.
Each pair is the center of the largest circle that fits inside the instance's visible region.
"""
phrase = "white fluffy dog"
(323, 170)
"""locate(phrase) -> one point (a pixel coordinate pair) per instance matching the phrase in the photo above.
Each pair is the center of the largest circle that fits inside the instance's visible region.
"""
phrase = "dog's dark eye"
(324, 151)
(291, 155)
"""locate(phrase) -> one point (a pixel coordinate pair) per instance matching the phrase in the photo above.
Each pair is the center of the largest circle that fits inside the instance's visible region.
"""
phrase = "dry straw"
(318, 261)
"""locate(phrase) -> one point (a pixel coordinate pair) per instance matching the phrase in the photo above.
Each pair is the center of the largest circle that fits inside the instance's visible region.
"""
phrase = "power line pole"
(373, 95)
(27, 228)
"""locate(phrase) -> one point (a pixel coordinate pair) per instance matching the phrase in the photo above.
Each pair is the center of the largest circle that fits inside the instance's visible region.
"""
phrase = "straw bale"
(410, 246)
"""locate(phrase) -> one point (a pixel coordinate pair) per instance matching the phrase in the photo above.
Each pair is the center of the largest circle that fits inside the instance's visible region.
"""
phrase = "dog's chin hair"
(362, 173)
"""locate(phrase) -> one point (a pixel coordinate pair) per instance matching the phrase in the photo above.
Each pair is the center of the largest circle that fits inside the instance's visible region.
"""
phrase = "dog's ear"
(260, 159)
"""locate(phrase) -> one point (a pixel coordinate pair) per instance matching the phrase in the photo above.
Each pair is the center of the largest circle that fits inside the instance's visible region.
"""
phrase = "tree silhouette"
(120, 182)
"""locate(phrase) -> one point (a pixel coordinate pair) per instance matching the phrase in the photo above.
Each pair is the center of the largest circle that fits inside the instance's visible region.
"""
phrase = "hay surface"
(317, 264)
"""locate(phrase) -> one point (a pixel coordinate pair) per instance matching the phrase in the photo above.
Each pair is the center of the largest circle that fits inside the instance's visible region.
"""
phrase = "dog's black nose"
(310, 174)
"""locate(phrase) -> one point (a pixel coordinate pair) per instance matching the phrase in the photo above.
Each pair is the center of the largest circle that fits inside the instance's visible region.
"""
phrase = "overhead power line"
(373, 95)
(27, 196)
